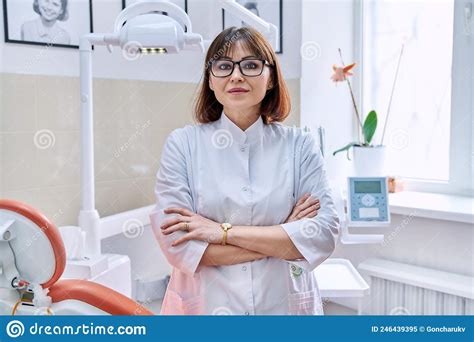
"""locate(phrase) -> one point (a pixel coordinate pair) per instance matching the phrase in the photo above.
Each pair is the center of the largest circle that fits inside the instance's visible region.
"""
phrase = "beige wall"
(132, 120)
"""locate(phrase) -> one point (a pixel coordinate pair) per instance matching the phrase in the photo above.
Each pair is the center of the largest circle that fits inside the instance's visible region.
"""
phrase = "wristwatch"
(225, 227)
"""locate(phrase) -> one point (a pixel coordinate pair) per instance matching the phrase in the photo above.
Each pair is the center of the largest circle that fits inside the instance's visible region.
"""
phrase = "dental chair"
(32, 260)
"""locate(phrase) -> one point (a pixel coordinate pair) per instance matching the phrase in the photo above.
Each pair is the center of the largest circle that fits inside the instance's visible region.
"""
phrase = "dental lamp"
(142, 28)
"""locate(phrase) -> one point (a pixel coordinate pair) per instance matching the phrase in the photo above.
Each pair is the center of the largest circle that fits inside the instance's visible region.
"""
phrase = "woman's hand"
(197, 226)
(306, 207)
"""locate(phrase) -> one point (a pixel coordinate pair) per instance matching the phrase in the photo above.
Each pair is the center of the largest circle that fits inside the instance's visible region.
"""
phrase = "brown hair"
(276, 104)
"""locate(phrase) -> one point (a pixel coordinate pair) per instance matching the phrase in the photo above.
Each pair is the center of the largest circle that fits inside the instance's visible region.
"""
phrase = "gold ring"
(186, 227)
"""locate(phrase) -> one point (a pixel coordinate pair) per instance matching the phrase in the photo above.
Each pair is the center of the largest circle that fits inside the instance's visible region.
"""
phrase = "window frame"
(461, 150)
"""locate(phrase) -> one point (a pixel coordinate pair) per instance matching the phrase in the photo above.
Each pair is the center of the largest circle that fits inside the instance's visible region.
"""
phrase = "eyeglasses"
(248, 67)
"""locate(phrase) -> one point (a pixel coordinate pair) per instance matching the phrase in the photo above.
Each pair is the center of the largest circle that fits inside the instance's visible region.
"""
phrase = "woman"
(226, 189)
(45, 28)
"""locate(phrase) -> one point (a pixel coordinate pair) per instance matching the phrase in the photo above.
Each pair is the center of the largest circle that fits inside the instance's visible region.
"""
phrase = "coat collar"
(252, 134)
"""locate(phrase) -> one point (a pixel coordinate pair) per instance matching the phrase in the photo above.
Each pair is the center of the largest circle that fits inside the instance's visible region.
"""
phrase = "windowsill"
(433, 206)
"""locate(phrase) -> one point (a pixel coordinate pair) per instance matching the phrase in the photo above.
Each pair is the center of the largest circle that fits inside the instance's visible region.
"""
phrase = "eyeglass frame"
(265, 63)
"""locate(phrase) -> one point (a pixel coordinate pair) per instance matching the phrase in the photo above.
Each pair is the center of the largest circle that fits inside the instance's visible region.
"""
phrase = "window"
(421, 145)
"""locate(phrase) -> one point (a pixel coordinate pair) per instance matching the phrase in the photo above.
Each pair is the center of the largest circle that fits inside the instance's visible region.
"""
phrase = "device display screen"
(367, 187)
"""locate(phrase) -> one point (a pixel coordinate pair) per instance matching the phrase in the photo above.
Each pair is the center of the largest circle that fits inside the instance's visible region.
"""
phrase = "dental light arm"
(140, 25)
(269, 30)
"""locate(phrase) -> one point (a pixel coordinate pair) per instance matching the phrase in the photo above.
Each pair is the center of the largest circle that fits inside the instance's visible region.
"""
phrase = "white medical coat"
(252, 177)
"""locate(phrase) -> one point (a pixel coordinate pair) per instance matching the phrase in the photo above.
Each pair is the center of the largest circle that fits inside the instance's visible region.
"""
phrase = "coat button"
(244, 188)
(242, 149)
(244, 268)
(247, 313)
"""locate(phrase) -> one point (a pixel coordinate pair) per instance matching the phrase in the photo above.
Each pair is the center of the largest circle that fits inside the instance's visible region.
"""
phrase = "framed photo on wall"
(269, 10)
(47, 22)
(181, 3)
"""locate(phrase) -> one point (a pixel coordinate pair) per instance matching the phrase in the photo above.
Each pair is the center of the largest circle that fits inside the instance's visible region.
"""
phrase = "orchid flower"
(370, 123)
(340, 73)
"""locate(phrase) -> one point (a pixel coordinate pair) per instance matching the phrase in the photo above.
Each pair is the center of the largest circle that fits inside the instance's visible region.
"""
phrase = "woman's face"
(50, 9)
(256, 87)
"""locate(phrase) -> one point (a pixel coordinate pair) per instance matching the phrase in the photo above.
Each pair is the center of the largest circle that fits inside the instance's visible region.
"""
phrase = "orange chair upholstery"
(96, 295)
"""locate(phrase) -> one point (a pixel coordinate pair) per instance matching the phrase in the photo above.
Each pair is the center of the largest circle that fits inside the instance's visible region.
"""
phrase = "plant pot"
(369, 161)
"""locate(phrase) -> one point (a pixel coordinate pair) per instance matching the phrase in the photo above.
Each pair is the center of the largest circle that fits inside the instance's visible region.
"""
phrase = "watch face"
(226, 226)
